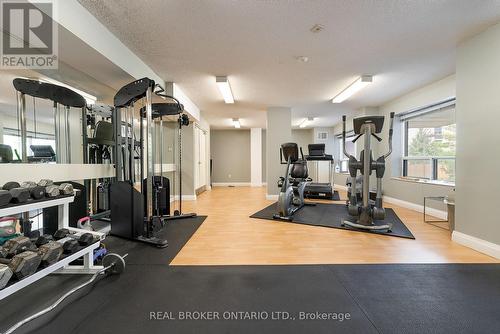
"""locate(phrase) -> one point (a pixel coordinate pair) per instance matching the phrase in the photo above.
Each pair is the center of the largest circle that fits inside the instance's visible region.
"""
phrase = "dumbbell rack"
(62, 266)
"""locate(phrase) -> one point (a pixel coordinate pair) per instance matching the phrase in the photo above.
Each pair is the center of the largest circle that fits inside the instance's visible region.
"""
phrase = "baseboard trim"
(271, 197)
(416, 207)
(184, 198)
(231, 184)
(477, 244)
(257, 185)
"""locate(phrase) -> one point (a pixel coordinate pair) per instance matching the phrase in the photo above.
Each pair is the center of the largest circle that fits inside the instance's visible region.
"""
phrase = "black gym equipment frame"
(140, 213)
(320, 190)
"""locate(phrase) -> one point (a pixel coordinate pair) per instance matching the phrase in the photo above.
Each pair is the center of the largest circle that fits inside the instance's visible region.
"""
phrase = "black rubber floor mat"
(331, 215)
(396, 298)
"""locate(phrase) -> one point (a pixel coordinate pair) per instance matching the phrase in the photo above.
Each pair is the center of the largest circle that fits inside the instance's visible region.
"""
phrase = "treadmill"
(319, 190)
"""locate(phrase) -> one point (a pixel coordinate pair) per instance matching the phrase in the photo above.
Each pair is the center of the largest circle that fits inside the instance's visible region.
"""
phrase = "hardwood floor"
(230, 237)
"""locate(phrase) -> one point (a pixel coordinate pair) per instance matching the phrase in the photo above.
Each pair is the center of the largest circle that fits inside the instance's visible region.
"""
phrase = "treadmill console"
(317, 152)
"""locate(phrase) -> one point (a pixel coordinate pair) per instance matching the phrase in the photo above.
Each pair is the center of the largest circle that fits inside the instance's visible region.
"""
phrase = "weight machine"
(140, 198)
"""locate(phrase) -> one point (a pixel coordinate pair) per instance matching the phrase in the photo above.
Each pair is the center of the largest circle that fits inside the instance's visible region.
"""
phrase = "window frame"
(434, 160)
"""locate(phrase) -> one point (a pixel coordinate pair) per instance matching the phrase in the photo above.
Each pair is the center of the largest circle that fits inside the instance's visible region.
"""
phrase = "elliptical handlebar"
(343, 137)
(391, 123)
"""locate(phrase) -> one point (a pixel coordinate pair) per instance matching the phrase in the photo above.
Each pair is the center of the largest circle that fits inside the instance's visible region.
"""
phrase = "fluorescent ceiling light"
(89, 99)
(225, 89)
(306, 122)
(236, 123)
(353, 88)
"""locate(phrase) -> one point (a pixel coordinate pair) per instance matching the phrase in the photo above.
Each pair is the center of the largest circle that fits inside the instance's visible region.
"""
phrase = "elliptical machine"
(291, 196)
(367, 211)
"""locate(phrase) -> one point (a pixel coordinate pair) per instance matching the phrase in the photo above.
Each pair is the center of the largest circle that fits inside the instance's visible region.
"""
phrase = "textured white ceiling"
(404, 44)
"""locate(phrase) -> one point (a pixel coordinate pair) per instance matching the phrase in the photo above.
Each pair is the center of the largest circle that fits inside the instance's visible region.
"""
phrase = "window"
(351, 149)
(430, 143)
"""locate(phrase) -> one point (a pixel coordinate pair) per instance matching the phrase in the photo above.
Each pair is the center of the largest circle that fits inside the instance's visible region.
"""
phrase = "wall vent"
(322, 135)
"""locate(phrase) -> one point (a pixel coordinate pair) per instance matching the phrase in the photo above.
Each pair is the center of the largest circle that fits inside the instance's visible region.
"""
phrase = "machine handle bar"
(343, 137)
(390, 135)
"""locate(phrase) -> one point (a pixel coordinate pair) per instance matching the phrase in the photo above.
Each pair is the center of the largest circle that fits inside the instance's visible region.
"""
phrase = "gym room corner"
(240, 166)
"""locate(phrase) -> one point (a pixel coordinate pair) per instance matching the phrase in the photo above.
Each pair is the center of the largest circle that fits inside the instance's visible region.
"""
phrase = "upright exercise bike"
(291, 196)
(367, 211)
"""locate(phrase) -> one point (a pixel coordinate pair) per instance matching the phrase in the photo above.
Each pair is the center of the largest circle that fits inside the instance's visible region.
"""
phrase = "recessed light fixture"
(353, 88)
(317, 28)
(306, 122)
(236, 123)
(225, 88)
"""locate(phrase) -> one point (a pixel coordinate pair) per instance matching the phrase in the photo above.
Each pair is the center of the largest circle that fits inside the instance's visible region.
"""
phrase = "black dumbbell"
(11, 185)
(36, 191)
(84, 239)
(61, 234)
(19, 195)
(24, 264)
(43, 239)
(5, 197)
(70, 246)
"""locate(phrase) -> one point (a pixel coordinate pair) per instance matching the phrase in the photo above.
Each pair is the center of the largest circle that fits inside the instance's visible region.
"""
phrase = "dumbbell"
(15, 246)
(19, 195)
(36, 191)
(50, 253)
(84, 239)
(43, 239)
(45, 182)
(29, 184)
(11, 185)
(72, 245)
(5, 197)
(52, 191)
(66, 189)
(5, 275)
(24, 264)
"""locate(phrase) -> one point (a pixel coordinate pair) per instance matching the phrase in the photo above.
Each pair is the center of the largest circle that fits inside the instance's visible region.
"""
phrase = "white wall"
(478, 115)
(279, 130)
(256, 157)
(410, 191)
